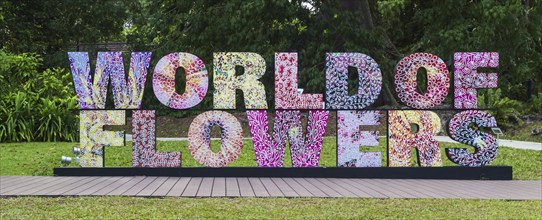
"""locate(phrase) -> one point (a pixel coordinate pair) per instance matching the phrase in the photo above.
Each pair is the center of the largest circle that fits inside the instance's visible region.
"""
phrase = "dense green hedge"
(35, 104)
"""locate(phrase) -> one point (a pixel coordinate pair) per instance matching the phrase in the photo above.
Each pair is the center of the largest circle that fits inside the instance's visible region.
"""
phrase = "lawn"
(40, 158)
(263, 208)
(523, 132)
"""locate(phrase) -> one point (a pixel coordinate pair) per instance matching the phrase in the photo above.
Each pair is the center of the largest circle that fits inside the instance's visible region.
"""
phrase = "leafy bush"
(36, 105)
(536, 103)
(505, 110)
(17, 120)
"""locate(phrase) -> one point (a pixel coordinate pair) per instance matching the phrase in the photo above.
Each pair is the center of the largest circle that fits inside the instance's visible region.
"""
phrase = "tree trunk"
(363, 7)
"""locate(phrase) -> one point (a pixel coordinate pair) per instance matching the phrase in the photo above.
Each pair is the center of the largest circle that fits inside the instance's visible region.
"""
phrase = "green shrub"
(536, 103)
(18, 71)
(17, 120)
(507, 111)
(37, 104)
(56, 121)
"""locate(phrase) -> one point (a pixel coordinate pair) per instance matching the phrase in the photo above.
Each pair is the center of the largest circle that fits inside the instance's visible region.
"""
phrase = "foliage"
(24, 159)
(120, 207)
(17, 122)
(536, 103)
(50, 28)
(35, 105)
(264, 27)
(386, 30)
(443, 27)
(506, 110)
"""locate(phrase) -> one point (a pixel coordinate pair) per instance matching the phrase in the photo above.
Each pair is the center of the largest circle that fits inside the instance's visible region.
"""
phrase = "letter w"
(127, 91)
(305, 151)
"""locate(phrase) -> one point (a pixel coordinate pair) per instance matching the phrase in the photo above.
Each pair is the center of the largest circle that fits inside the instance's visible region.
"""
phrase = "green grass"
(40, 158)
(523, 132)
(266, 208)
(122, 156)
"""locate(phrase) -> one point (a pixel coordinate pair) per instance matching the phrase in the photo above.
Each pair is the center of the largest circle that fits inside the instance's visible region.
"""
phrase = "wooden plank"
(520, 188)
(99, 186)
(149, 189)
(219, 187)
(309, 187)
(271, 188)
(134, 190)
(192, 188)
(284, 188)
(178, 188)
(23, 183)
(535, 190)
(513, 186)
(71, 184)
(298, 188)
(174, 186)
(17, 183)
(435, 190)
(414, 189)
(65, 181)
(206, 187)
(430, 188)
(43, 187)
(5, 182)
(15, 190)
(109, 188)
(447, 191)
(340, 187)
(532, 188)
(8, 180)
(394, 190)
(525, 190)
(468, 188)
(21, 190)
(166, 186)
(245, 188)
(363, 189)
(126, 186)
(384, 186)
(258, 187)
(355, 192)
(4, 178)
(473, 188)
(327, 190)
(465, 187)
(85, 186)
(495, 190)
(232, 187)
(501, 190)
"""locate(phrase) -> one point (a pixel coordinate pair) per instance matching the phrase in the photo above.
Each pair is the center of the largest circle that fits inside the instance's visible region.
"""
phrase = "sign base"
(448, 172)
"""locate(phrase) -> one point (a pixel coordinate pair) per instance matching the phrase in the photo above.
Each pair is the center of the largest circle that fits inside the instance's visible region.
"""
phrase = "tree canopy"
(385, 30)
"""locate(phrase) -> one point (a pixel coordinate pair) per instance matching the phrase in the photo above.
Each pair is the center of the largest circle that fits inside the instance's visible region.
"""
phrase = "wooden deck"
(268, 187)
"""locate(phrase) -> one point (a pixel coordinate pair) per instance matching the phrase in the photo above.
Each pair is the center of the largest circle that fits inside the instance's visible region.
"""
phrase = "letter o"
(438, 80)
(199, 138)
(163, 80)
